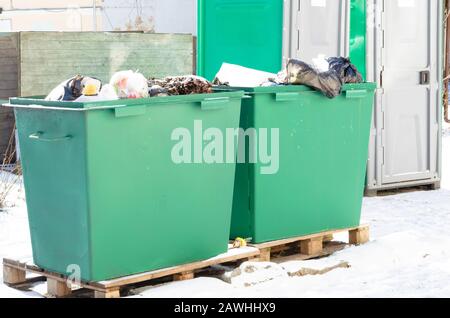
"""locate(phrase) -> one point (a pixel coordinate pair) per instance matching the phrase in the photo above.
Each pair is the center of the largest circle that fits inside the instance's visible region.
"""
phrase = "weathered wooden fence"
(32, 63)
(9, 74)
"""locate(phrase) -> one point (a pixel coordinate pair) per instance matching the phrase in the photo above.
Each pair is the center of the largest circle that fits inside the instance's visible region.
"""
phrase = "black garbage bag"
(345, 69)
(300, 73)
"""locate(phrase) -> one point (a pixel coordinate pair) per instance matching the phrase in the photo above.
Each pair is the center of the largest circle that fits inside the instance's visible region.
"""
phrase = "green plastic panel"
(244, 32)
(103, 192)
(358, 21)
(323, 151)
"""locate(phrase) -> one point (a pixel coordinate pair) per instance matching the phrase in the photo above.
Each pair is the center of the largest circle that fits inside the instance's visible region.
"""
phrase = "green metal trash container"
(323, 149)
(104, 193)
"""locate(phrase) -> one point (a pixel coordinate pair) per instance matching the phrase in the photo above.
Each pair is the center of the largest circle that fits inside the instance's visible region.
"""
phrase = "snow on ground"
(14, 233)
(446, 157)
(408, 256)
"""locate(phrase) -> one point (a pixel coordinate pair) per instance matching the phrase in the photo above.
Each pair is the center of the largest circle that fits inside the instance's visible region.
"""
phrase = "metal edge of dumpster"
(39, 101)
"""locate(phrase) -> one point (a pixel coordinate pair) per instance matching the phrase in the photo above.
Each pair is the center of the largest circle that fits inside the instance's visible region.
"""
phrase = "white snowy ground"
(408, 256)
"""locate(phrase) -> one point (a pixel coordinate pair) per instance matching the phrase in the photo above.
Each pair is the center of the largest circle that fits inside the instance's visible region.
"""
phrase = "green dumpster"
(104, 193)
(323, 149)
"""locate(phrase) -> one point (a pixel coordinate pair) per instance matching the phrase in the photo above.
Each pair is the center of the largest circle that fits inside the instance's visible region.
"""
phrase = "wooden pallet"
(14, 274)
(298, 248)
(311, 246)
(394, 191)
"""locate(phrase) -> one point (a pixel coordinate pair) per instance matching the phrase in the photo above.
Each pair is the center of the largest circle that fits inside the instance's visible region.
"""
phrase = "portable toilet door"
(247, 33)
(316, 27)
(405, 58)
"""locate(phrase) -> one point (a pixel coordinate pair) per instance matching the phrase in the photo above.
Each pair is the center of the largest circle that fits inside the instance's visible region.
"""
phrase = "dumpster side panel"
(157, 213)
(242, 224)
(52, 145)
(353, 170)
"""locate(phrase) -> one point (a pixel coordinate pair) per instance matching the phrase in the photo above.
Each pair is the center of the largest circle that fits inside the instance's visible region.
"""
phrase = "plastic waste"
(75, 87)
(279, 79)
(129, 84)
(106, 93)
(320, 63)
(239, 76)
(324, 75)
(301, 73)
(345, 69)
(157, 91)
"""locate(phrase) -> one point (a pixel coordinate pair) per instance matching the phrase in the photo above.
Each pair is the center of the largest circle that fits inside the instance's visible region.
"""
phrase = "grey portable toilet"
(314, 27)
(405, 57)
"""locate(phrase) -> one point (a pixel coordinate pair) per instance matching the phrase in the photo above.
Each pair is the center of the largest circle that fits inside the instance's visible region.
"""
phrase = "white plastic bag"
(239, 76)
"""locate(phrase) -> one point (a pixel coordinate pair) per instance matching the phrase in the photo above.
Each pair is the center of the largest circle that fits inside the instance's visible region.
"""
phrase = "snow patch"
(252, 273)
(203, 287)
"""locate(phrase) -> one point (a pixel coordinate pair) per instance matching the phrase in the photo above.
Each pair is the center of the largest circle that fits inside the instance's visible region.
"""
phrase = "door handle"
(39, 137)
(425, 78)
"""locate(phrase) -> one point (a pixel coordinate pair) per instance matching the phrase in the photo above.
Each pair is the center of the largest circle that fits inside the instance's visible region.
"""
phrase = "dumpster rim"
(35, 106)
(293, 88)
(38, 103)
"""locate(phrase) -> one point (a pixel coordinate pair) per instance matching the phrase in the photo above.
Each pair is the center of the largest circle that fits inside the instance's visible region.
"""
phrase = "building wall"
(174, 16)
(38, 4)
(162, 16)
(47, 15)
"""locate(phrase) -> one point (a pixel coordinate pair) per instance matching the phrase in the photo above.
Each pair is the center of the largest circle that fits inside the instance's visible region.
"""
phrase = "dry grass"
(139, 24)
(10, 170)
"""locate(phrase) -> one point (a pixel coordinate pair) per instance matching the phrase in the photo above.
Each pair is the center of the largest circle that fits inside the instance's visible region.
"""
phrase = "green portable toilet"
(248, 33)
(263, 34)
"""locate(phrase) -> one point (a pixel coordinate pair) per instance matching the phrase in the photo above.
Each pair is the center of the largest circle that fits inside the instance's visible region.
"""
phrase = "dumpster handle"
(214, 103)
(357, 93)
(286, 96)
(38, 136)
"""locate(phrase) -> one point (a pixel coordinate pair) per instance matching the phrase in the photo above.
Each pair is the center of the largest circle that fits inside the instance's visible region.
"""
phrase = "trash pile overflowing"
(239, 76)
(127, 85)
(179, 85)
(74, 88)
(345, 69)
(300, 73)
(324, 75)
